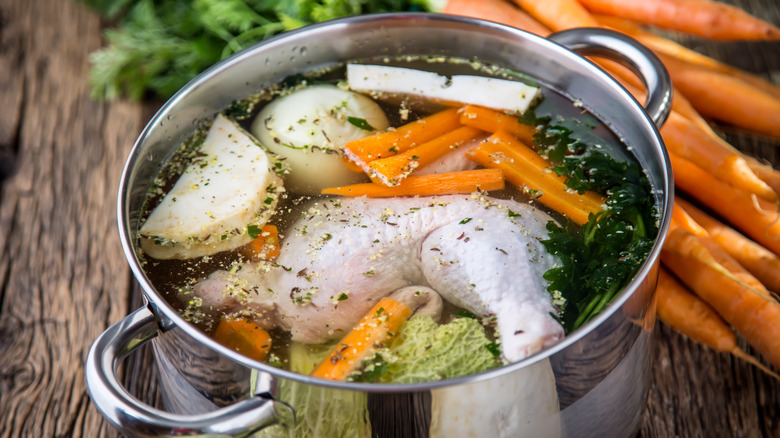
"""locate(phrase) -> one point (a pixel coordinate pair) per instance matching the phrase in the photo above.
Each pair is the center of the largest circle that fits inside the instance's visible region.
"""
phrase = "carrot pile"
(722, 255)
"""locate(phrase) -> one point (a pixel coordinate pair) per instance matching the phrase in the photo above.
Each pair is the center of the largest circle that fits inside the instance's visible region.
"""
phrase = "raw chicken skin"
(479, 253)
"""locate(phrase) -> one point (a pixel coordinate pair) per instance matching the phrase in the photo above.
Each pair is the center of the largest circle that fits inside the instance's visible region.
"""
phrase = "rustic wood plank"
(64, 279)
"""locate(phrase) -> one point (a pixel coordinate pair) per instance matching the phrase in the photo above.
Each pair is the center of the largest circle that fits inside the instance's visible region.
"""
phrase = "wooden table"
(63, 277)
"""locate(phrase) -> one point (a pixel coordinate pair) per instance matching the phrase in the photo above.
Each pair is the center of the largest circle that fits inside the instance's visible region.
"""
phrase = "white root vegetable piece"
(228, 190)
(500, 94)
(310, 128)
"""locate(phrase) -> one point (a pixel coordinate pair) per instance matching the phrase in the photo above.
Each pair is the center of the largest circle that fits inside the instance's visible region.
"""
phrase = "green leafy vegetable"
(319, 411)
(598, 260)
(425, 351)
(159, 45)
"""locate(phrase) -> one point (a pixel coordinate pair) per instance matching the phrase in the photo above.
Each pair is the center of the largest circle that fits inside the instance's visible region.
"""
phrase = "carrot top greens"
(600, 258)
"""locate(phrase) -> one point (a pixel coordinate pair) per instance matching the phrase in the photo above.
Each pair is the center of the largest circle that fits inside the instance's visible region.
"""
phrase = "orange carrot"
(762, 263)
(764, 171)
(394, 141)
(391, 171)
(266, 245)
(689, 315)
(379, 326)
(558, 14)
(725, 97)
(243, 336)
(496, 10)
(463, 181)
(704, 18)
(754, 315)
(671, 48)
(757, 218)
(714, 253)
(688, 141)
(491, 121)
(526, 169)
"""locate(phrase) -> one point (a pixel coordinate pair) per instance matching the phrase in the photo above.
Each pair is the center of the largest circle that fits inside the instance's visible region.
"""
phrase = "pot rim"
(168, 317)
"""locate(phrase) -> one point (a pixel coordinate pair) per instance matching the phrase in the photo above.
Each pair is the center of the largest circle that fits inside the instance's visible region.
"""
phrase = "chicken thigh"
(344, 255)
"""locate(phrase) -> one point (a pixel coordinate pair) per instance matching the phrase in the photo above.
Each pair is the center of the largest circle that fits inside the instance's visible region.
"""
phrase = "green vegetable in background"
(158, 46)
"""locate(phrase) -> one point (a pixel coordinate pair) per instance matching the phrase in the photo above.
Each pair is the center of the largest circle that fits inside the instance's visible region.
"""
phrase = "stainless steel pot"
(594, 383)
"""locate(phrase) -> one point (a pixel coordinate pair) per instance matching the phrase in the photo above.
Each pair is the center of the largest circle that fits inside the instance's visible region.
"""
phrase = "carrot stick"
(526, 169)
(389, 143)
(243, 336)
(754, 315)
(491, 121)
(704, 18)
(762, 263)
(496, 10)
(464, 181)
(379, 325)
(725, 97)
(391, 171)
(689, 315)
(266, 245)
(688, 141)
(558, 14)
(757, 218)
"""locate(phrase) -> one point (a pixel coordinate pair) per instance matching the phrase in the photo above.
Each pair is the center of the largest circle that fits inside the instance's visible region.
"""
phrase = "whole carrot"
(754, 315)
(762, 263)
(688, 141)
(496, 10)
(689, 315)
(725, 97)
(757, 218)
(558, 14)
(704, 18)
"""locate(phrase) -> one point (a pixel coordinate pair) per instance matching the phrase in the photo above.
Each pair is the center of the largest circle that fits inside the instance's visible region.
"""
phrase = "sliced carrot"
(762, 263)
(385, 144)
(558, 14)
(243, 336)
(377, 327)
(704, 18)
(528, 170)
(689, 315)
(757, 218)
(266, 245)
(463, 181)
(491, 121)
(391, 171)
(688, 141)
(496, 10)
(754, 315)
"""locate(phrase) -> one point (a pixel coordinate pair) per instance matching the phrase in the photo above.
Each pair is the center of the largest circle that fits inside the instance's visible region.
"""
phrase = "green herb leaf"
(253, 231)
(360, 123)
(494, 349)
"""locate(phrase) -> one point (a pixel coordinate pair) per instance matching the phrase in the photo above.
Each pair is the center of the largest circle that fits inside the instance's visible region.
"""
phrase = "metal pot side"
(593, 383)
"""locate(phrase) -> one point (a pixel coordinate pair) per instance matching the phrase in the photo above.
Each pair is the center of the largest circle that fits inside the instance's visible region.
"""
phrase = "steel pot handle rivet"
(134, 417)
(627, 51)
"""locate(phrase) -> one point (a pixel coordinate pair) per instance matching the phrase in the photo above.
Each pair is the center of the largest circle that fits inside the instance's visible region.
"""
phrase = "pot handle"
(627, 51)
(132, 416)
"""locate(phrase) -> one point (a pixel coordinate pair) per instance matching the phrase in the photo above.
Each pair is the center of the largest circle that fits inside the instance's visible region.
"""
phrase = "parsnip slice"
(228, 191)
(500, 94)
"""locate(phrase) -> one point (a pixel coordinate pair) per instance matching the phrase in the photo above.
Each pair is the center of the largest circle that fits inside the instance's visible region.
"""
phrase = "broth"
(564, 125)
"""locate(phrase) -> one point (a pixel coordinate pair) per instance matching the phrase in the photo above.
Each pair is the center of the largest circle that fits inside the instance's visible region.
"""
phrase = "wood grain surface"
(63, 277)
